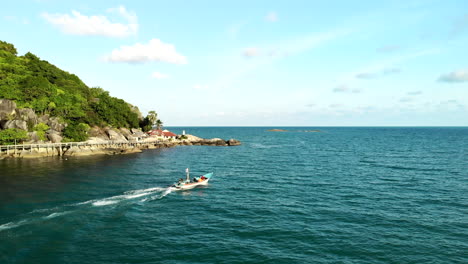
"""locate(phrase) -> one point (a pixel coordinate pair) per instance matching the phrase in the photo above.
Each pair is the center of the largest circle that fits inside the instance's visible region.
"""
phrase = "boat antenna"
(188, 173)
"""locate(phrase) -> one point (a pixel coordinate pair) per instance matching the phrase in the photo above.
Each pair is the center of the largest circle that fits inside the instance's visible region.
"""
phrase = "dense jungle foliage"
(37, 84)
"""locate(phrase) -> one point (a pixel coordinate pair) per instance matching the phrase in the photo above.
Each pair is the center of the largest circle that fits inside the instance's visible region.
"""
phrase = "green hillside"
(37, 84)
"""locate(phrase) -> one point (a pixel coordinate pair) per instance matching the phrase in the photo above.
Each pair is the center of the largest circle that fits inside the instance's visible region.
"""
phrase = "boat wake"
(40, 215)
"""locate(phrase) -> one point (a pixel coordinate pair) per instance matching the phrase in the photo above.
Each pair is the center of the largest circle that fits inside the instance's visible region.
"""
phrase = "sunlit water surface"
(343, 195)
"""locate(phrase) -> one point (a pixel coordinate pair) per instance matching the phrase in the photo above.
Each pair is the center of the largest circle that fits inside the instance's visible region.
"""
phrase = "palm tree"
(159, 124)
(152, 117)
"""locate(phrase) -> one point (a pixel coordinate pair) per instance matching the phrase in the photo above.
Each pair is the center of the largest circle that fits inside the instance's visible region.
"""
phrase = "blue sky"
(260, 63)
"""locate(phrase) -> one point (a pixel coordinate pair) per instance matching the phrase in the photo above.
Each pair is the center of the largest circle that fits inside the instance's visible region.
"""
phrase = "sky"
(260, 63)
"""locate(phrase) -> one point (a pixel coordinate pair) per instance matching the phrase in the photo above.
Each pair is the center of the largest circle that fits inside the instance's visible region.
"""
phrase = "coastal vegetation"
(150, 121)
(32, 83)
(12, 135)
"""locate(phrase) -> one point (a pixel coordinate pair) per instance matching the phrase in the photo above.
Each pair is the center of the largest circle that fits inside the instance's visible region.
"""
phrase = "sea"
(306, 195)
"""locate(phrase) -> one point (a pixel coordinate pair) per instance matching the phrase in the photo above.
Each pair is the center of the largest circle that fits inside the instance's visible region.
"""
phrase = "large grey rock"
(113, 135)
(7, 108)
(221, 143)
(126, 133)
(138, 133)
(28, 115)
(233, 142)
(43, 119)
(135, 130)
(34, 137)
(54, 136)
(20, 124)
(54, 124)
(98, 132)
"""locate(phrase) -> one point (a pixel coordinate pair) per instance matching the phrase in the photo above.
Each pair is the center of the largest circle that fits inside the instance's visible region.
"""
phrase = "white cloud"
(455, 76)
(154, 50)
(388, 71)
(382, 67)
(251, 52)
(343, 88)
(158, 75)
(415, 93)
(377, 73)
(9, 18)
(130, 16)
(366, 75)
(336, 105)
(295, 46)
(289, 47)
(406, 99)
(271, 17)
(97, 25)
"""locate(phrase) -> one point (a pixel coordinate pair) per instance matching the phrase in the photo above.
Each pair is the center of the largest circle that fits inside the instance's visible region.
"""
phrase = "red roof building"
(162, 133)
(168, 134)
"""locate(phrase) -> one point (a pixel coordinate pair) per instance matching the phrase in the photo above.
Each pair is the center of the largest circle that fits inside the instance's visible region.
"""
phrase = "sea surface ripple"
(342, 195)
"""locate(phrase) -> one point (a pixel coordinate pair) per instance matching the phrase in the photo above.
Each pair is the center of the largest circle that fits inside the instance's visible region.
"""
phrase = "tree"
(12, 135)
(40, 129)
(76, 132)
(7, 47)
(40, 85)
(159, 124)
(152, 117)
(145, 124)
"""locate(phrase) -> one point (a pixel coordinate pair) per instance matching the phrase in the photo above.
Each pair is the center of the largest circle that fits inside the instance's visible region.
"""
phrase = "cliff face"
(25, 119)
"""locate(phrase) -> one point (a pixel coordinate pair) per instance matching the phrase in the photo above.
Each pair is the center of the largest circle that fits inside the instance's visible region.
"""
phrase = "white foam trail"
(136, 195)
(128, 196)
(102, 203)
(52, 215)
(158, 189)
(87, 202)
(168, 191)
(95, 202)
(12, 225)
(43, 210)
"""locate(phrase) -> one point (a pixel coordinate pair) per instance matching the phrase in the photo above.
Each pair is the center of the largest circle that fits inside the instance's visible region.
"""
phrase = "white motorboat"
(188, 184)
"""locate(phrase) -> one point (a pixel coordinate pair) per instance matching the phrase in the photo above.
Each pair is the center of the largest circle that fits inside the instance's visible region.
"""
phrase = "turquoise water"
(345, 195)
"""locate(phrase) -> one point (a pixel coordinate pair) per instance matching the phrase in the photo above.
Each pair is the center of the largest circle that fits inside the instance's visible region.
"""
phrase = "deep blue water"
(344, 195)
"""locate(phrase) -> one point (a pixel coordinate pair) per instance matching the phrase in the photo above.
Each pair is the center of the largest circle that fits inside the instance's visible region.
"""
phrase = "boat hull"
(191, 185)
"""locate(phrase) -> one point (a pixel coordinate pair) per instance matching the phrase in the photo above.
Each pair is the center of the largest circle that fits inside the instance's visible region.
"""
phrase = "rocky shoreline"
(102, 140)
(90, 148)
